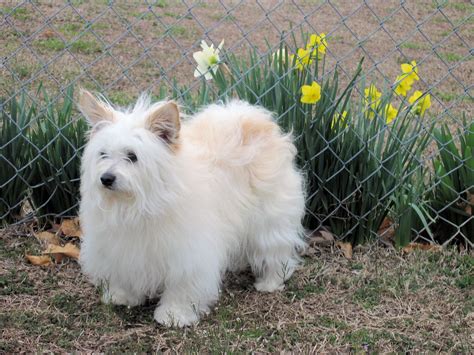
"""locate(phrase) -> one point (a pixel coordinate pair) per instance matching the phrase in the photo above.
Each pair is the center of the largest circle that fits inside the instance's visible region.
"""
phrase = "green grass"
(19, 13)
(65, 302)
(223, 17)
(121, 98)
(413, 45)
(336, 38)
(465, 281)
(16, 283)
(439, 20)
(171, 14)
(85, 47)
(300, 292)
(439, 4)
(145, 15)
(464, 275)
(14, 34)
(97, 26)
(253, 333)
(365, 340)
(23, 70)
(51, 44)
(24, 245)
(451, 96)
(446, 96)
(52, 327)
(368, 295)
(451, 57)
(446, 33)
(160, 3)
(328, 322)
(26, 320)
(357, 266)
(133, 344)
(78, 46)
(461, 6)
(179, 31)
(71, 29)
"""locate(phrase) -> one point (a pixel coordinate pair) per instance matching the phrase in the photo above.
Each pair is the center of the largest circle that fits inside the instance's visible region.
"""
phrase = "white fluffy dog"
(169, 206)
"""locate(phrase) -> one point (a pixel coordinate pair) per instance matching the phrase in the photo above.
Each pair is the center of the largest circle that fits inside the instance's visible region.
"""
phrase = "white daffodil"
(207, 60)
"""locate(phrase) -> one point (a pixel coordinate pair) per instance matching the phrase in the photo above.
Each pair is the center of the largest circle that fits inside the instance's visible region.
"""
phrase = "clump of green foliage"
(452, 195)
(41, 146)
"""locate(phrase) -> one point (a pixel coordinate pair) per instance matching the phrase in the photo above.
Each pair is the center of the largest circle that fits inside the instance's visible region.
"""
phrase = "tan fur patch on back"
(257, 128)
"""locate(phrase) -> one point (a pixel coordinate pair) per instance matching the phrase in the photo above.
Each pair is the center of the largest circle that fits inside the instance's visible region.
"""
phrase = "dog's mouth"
(115, 192)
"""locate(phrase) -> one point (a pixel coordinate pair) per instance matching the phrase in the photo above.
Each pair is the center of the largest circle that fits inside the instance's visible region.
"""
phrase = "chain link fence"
(122, 48)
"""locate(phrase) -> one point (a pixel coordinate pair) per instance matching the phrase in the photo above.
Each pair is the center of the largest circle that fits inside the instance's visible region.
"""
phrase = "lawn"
(379, 301)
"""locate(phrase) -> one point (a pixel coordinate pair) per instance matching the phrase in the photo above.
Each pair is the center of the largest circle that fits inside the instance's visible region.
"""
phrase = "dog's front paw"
(172, 315)
(120, 298)
(269, 285)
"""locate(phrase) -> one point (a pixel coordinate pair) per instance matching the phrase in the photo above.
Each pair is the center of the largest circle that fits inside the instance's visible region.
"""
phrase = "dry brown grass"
(132, 46)
(379, 301)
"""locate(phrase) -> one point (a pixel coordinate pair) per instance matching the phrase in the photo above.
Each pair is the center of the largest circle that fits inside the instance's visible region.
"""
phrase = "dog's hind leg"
(273, 258)
(274, 239)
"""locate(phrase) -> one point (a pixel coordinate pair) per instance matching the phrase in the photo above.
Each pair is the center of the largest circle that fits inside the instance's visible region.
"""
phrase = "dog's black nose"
(107, 179)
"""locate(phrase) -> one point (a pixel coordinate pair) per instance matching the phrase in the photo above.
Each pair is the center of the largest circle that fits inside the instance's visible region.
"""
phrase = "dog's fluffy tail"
(239, 134)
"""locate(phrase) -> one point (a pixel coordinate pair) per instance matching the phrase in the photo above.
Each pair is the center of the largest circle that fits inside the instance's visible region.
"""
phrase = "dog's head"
(130, 152)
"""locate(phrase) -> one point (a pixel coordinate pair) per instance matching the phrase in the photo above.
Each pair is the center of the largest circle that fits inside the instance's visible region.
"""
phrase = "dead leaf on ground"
(48, 237)
(470, 198)
(346, 249)
(418, 246)
(71, 228)
(470, 203)
(54, 228)
(48, 33)
(321, 237)
(387, 222)
(309, 251)
(386, 229)
(42, 260)
(69, 250)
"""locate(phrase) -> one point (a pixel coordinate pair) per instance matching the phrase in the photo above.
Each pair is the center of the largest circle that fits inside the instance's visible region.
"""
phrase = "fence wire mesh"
(123, 48)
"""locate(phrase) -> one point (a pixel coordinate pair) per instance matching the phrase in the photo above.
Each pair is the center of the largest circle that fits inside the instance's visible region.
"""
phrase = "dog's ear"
(164, 122)
(93, 109)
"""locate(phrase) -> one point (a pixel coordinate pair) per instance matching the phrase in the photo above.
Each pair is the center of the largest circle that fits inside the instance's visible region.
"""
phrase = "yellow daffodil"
(372, 94)
(390, 113)
(207, 60)
(303, 58)
(403, 84)
(411, 70)
(420, 105)
(311, 93)
(317, 44)
(341, 117)
(372, 99)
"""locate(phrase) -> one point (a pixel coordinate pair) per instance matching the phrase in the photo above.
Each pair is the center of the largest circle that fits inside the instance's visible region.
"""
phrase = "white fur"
(226, 196)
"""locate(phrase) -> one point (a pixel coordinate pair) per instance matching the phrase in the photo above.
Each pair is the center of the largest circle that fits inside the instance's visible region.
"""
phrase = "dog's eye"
(103, 155)
(132, 157)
